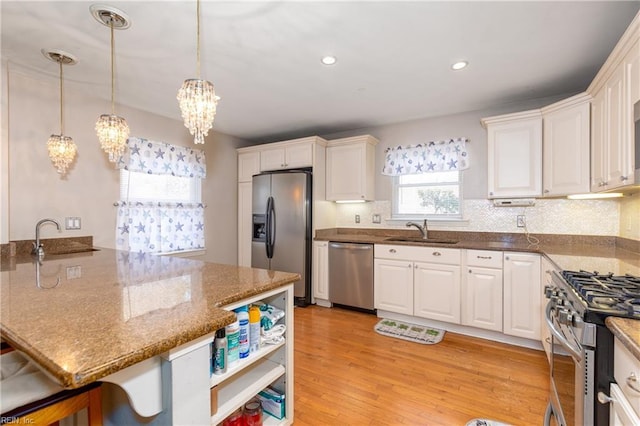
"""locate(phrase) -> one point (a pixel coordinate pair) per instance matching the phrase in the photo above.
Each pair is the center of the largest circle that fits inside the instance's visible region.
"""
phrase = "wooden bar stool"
(27, 396)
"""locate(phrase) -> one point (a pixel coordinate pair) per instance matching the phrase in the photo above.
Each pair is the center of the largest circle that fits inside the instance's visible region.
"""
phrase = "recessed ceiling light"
(328, 60)
(459, 65)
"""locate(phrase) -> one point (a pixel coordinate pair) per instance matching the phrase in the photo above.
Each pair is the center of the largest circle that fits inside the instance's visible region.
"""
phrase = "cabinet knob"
(506, 258)
(362, 196)
(436, 253)
(546, 191)
(409, 265)
(470, 271)
(392, 250)
(491, 193)
(632, 382)
(623, 178)
(601, 184)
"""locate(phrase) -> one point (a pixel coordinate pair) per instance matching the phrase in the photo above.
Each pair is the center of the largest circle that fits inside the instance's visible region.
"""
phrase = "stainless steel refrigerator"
(281, 237)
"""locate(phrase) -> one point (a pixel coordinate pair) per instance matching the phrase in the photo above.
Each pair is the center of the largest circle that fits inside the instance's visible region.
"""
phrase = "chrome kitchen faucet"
(423, 229)
(37, 246)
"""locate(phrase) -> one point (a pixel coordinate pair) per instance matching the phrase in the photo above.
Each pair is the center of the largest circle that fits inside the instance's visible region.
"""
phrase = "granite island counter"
(100, 315)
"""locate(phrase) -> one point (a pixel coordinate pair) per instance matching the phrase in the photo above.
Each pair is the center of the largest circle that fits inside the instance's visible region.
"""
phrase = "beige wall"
(91, 187)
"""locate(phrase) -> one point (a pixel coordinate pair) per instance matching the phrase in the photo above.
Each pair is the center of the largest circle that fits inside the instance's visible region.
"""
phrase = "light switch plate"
(376, 218)
(72, 223)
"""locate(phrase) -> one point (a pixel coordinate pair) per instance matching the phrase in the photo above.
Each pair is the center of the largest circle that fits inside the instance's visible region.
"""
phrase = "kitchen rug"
(485, 422)
(410, 332)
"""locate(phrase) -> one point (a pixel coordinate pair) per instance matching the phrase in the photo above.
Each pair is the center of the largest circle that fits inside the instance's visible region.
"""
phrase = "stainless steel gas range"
(581, 345)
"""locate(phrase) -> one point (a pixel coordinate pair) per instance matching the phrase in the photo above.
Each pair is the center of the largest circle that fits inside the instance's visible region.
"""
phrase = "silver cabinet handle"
(483, 257)
(506, 258)
(436, 253)
(470, 271)
(409, 265)
(632, 382)
(546, 191)
(623, 178)
(392, 250)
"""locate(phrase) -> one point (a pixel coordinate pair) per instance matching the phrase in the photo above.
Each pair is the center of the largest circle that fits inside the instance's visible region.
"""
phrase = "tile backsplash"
(553, 216)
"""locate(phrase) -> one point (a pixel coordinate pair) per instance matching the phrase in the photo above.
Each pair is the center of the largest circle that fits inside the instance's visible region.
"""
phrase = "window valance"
(439, 156)
(146, 156)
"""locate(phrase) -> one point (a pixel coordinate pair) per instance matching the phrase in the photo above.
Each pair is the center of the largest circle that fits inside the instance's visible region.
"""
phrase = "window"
(137, 186)
(435, 195)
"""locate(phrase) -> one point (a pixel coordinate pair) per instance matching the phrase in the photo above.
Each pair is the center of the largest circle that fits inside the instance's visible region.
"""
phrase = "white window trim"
(399, 218)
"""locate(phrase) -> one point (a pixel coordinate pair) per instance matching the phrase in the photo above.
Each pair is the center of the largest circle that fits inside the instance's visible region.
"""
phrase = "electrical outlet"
(72, 223)
(357, 218)
(520, 221)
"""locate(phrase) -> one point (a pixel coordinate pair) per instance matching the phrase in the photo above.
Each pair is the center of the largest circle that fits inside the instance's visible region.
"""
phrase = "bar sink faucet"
(38, 250)
(422, 228)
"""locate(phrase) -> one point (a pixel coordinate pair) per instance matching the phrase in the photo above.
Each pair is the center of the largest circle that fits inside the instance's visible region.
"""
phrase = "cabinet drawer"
(625, 367)
(418, 254)
(484, 258)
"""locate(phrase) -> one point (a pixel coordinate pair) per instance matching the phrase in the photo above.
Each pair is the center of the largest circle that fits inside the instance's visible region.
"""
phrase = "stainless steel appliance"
(351, 275)
(582, 346)
(281, 233)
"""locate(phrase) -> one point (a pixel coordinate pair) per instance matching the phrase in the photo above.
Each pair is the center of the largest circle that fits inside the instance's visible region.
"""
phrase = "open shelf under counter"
(245, 385)
(242, 363)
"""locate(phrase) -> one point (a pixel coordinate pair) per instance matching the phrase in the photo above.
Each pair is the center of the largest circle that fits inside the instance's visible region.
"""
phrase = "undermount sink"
(421, 240)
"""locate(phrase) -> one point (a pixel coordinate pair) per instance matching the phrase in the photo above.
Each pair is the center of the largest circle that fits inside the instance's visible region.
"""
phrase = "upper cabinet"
(514, 154)
(350, 168)
(565, 147)
(290, 155)
(248, 165)
(615, 89)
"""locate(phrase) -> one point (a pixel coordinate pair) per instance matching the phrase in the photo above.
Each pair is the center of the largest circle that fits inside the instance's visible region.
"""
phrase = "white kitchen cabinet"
(514, 154)
(321, 270)
(436, 290)
(248, 165)
(291, 155)
(393, 285)
(245, 223)
(615, 89)
(482, 290)
(566, 144)
(420, 281)
(626, 371)
(271, 365)
(351, 168)
(522, 296)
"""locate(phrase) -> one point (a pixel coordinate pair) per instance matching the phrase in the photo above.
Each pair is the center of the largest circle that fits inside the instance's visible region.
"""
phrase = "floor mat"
(411, 332)
(485, 422)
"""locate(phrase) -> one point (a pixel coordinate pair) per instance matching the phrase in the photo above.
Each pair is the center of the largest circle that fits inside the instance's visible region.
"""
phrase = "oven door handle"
(576, 353)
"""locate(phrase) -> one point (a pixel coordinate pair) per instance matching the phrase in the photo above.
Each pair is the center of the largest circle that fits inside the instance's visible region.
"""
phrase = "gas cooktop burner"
(613, 294)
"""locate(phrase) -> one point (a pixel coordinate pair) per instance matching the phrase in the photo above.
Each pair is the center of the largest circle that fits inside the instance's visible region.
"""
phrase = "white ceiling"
(264, 57)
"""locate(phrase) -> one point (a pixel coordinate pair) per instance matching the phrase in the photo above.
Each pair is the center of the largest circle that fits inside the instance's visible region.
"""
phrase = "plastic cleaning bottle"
(254, 329)
(220, 354)
(233, 338)
(243, 341)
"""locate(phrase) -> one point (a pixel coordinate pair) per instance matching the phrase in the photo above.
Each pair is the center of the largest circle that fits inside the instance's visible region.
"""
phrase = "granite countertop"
(84, 316)
(628, 331)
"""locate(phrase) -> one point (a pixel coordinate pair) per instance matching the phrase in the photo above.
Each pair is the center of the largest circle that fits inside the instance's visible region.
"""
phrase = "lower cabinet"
(420, 281)
(321, 270)
(522, 295)
(482, 289)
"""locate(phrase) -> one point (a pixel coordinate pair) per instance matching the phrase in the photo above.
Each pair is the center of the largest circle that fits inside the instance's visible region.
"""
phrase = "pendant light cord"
(60, 60)
(113, 79)
(198, 35)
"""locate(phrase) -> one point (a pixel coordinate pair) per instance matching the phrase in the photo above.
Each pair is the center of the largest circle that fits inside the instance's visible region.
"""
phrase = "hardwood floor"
(347, 374)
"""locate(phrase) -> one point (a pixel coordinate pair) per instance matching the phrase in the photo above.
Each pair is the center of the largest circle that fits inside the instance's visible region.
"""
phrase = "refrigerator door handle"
(270, 236)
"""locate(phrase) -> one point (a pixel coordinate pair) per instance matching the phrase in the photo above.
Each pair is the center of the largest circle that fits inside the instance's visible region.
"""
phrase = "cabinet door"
(632, 95)
(346, 172)
(598, 142)
(244, 223)
(566, 151)
(321, 270)
(515, 158)
(482, 298)
(437, 292)
(272, 159)
(298, 155)
(248, 165)
(393, 285)
(522, 296)
(614, 93)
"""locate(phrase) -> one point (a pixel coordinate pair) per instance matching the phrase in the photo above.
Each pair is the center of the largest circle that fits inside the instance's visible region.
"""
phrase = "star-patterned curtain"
(440, 156)
(158, 158)
(160, 227)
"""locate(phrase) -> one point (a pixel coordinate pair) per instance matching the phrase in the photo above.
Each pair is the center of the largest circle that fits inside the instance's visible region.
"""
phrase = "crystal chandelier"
(112, 130)
(198, 99)
(61, 148)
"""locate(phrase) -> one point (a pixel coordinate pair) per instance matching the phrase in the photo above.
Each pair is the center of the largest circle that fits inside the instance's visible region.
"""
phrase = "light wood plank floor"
(347, 374)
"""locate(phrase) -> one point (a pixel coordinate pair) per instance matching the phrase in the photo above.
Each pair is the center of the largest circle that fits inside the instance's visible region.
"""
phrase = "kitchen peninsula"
(143, 322)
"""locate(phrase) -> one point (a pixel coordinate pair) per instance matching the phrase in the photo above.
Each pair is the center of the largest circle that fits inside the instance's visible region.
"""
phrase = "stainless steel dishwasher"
(351, 275)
